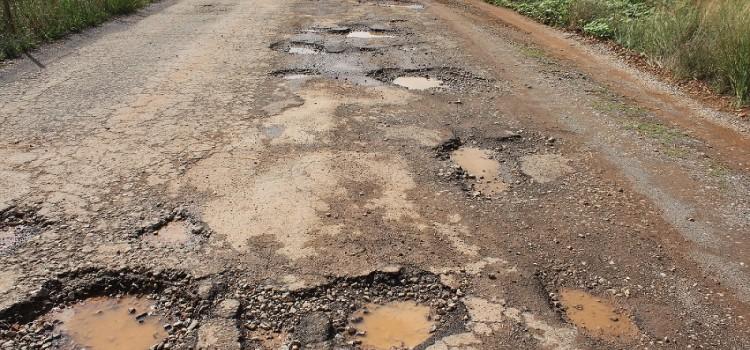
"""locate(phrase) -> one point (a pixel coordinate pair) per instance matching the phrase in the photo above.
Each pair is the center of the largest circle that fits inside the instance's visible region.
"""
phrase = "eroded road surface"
(362, 174)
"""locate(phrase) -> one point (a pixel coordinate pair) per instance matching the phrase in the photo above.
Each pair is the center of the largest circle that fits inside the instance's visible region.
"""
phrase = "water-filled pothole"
(418, 83)
(430, 78)
(105, 323)
(359, 34)
(297, 48)
(303, 50)
(481, 166)
(597, 316)
(396, 325)
(308, 316)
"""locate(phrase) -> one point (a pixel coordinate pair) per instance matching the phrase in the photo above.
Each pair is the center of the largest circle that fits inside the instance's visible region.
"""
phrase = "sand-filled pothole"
(398, 325)
(544, 168)
(110, 324)
(480, 165)
(597, 316)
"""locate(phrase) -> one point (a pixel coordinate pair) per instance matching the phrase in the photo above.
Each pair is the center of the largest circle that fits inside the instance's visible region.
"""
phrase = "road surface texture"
(259, 172)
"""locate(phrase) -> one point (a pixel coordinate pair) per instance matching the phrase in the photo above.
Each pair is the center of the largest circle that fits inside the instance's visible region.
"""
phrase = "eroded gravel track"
(257, 170)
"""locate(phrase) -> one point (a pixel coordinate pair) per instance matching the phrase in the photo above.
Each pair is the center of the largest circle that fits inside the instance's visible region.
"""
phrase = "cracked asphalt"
(261, 147)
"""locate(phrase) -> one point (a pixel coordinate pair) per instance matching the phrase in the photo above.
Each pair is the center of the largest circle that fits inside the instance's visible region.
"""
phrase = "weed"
(707, 40)
(659, 132)
(38, 21)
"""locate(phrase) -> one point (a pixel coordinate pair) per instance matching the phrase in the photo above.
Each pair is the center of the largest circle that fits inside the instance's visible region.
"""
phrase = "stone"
(314, 328)
(228, 308)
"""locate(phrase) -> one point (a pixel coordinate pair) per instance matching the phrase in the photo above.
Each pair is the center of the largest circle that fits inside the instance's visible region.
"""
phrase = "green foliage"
(599, 28)
(708, 40)
(37, 21)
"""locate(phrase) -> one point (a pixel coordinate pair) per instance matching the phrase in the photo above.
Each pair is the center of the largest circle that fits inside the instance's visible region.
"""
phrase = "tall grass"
(696, 39)
(37, 21)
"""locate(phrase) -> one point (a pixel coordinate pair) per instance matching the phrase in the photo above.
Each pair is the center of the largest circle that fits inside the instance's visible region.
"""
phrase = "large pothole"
(489, 166)
(432, 78)
(100, 309)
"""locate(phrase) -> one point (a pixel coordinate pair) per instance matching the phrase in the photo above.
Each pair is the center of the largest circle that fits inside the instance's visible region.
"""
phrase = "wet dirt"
(479, 164)
(110, 324)
(597, 315)
(418, 83)
(394, 325)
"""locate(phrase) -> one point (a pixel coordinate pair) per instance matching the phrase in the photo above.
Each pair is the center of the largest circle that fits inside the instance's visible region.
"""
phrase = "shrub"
(37, 21)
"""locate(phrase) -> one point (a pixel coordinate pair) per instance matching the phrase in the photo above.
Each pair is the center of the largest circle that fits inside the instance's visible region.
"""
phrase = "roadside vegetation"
(707, 40)
(32, 22)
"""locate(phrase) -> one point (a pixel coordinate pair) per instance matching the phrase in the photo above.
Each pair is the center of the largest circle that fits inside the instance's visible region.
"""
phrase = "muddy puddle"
(418, 83)
(110, 324)
(479, 164)
(395, 325)
(596, 315)
(366, 35)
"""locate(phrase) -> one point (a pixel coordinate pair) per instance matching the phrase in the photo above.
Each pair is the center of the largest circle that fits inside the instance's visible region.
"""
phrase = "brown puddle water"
(418, 83)
(395, 325)
(108, 324)
(479, 163)
(597, 316)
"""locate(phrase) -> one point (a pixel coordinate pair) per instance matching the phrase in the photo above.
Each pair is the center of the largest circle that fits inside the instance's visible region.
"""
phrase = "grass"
(696, 39)
(39, 21)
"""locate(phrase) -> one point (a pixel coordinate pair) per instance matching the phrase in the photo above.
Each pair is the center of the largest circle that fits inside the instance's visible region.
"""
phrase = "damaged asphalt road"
(361, 175)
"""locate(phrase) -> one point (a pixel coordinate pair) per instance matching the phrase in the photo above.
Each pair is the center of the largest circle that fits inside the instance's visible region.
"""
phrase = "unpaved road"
(252, 167)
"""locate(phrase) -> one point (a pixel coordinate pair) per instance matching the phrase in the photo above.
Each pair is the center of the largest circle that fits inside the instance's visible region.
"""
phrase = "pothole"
(101, 309)
(297, 48)
(398, 325)
(366, 35)
(334, 314)
(97, 309)
(106, 323)
(295, 74)
(431, 78)
(488, 163)
(418, 83)
(544, 168)
(18, 225)
(480, 165)
(178, 227)
(597, 316)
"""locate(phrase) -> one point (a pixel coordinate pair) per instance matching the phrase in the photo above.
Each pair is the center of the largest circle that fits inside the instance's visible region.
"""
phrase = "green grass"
(38, 21)
(695, 39)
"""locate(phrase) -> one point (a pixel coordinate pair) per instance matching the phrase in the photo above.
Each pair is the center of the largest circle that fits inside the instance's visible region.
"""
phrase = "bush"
(37, 21)
(599, 28)
(696, 39)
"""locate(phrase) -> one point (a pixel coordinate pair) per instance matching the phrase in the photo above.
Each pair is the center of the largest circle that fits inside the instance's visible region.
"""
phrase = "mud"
(597, 315)
(395, 325)
(479, 164)
(110, 323)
